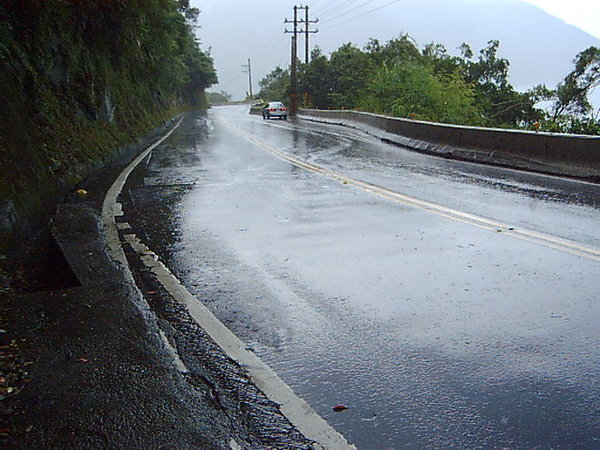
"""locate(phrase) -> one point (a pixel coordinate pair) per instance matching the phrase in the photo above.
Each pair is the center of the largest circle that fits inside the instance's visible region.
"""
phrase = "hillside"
(539, 46)
(79, 80)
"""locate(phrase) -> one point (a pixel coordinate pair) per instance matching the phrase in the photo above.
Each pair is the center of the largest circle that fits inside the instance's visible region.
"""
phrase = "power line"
(268, 49)
(351, 10)
(332, 7)
(350, 19)
(273, 50)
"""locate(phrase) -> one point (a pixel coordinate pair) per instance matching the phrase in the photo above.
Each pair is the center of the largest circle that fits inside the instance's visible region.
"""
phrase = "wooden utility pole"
(248, 70)
(293, 109)
(307, 31)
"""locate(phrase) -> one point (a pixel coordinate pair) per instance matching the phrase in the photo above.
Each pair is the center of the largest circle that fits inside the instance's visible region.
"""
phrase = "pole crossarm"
(306, 22)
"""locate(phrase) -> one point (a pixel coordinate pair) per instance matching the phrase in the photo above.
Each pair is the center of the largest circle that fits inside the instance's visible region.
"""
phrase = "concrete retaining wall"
(558, 154)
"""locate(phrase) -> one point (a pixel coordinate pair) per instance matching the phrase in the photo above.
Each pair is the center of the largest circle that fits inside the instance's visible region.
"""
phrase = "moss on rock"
(81, 79)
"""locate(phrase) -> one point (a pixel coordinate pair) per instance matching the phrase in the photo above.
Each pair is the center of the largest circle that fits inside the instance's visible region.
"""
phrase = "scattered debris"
(81, 192)
(339, 408)
(369, 419)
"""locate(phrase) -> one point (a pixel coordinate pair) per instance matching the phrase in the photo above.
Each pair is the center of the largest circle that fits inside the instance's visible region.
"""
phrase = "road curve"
(444, 303)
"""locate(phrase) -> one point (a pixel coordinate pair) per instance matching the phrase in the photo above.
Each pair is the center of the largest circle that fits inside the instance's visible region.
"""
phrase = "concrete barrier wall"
(559, 154)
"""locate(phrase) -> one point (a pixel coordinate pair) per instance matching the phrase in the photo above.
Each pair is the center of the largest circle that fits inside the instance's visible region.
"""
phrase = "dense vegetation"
(400, 79)
(218, 97)
(81, 77)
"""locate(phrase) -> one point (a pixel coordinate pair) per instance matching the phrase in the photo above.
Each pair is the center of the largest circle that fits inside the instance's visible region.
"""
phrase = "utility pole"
(307, 31)
(248, 70)
(293, 110)
(294, 62)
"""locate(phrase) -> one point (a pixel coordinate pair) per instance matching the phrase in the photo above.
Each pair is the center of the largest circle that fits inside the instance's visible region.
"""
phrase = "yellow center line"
(440, 210)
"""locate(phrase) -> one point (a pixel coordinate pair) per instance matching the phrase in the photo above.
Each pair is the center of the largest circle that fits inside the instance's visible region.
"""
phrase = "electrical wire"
(333, 7)
(274, 52)
(351, 10)
(268, 50)
(350, 19)
(330, 7)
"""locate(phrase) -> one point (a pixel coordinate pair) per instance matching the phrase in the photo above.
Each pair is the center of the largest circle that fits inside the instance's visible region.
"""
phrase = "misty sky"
(584, 14)
(539, 44)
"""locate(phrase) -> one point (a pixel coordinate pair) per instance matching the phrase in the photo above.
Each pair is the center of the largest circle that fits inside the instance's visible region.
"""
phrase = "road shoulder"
(96, 370)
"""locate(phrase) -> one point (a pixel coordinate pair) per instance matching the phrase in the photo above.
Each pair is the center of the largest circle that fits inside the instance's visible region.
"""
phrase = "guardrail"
(557, 154)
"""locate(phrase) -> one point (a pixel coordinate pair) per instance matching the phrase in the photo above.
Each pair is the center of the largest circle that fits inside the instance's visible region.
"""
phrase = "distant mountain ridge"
(540, 47)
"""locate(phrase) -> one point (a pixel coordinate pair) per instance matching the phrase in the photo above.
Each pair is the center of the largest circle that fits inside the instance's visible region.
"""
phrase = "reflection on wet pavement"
(433, 332)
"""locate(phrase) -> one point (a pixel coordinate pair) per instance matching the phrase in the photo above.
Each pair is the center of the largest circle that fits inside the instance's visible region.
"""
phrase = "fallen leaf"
(339, 408)
(82, 360)
(81, 192)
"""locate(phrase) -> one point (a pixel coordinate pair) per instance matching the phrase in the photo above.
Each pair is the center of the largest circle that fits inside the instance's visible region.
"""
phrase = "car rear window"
(276, 105)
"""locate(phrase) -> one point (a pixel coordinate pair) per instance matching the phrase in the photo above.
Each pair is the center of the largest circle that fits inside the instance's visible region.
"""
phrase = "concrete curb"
(555, 154)
(295, 409)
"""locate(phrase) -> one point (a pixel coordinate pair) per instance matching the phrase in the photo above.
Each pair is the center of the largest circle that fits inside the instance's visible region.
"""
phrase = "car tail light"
(271, 109)
(284, 109)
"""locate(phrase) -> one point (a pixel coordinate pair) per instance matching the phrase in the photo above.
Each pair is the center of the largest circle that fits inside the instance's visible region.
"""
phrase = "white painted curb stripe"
(293, 407)
(297, 411)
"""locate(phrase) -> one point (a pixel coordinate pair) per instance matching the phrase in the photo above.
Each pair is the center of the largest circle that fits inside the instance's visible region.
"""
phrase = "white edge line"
(110, 207)
(295, 409)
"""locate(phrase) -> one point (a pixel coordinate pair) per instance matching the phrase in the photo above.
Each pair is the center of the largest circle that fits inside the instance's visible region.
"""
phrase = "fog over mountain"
(540, 47)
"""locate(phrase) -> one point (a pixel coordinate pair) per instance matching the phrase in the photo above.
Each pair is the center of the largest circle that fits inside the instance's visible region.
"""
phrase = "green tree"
(430, 84)
(218, 97)
(501, 104)
(83, 77)
(275, 85)
(443, 64)
(398, 50)
(350, 70)
(571, 96)
(316, 80)
(414, 91)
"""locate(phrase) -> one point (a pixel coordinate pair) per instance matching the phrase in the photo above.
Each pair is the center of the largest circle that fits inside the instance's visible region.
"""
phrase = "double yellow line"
(459, 216)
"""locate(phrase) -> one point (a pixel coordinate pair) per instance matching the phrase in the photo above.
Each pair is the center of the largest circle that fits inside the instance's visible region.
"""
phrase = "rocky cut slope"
(79, 79)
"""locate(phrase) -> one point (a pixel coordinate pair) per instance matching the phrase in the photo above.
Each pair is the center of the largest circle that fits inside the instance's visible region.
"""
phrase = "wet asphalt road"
(435, 331)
